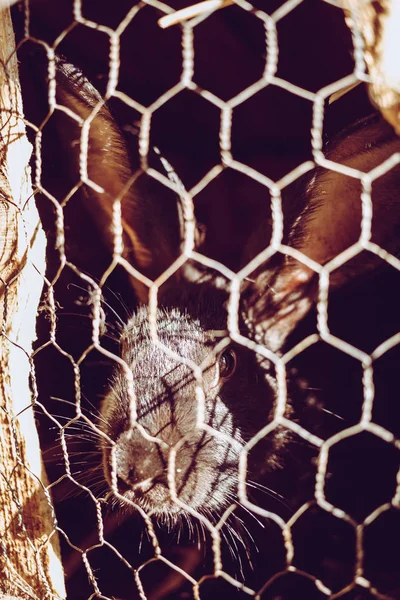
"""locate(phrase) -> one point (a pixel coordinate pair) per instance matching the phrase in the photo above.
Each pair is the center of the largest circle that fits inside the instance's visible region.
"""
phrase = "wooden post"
(379, 23)
(30, 565)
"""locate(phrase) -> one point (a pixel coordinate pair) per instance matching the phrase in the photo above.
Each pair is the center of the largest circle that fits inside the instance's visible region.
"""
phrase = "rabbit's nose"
(139, 486)
(140, 463)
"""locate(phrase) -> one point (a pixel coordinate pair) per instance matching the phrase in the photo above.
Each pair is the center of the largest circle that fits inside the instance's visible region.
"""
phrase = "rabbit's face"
(207, 436)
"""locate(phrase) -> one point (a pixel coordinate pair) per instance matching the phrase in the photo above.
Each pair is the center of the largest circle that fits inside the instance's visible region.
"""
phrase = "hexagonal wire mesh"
(188, 575)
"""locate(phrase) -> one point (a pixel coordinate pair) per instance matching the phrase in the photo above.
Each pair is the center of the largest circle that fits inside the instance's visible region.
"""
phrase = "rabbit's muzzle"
(189, 459)
(147, 476)
(182, 447)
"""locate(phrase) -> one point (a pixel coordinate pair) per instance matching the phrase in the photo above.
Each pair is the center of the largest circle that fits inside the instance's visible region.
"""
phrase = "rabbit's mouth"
(151, 495)
(155, 499)
(141, 474)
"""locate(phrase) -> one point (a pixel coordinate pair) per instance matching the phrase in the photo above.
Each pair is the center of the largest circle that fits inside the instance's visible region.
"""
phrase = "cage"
(212, 365)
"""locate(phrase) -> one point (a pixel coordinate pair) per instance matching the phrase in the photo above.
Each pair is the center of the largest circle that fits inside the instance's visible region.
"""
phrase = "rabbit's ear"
(330, 222)
(150, 228)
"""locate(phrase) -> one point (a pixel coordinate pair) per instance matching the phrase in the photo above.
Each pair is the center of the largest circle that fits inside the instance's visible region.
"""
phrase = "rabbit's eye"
(227, 364)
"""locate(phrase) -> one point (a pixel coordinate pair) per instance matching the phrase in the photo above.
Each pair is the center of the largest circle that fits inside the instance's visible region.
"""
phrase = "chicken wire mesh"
(209, 547)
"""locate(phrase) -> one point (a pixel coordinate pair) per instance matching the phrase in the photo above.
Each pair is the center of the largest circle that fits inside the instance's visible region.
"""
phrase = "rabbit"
(239, 384)
(172, 442)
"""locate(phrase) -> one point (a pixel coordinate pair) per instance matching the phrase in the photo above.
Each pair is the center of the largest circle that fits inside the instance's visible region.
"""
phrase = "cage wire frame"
(187, 198)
